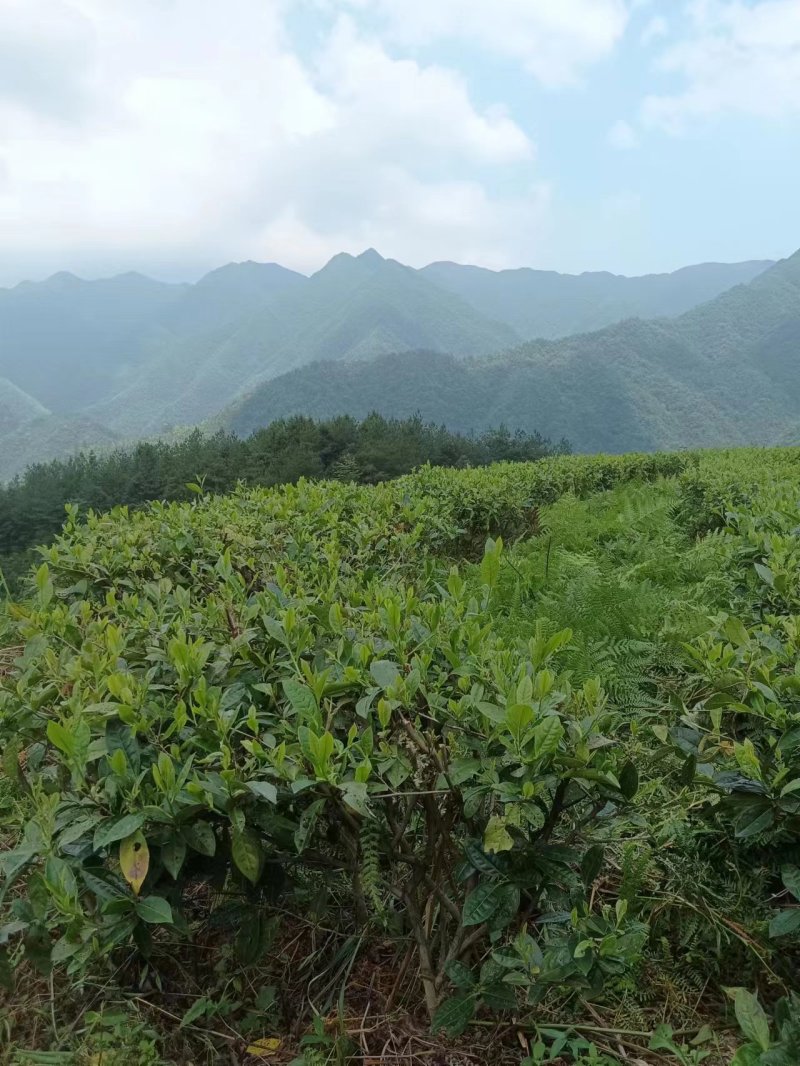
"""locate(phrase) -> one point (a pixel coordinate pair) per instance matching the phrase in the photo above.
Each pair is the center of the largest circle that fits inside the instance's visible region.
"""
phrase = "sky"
(171, 136)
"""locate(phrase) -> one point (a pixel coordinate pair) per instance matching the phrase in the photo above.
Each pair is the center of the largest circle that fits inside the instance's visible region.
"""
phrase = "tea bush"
(296, 690)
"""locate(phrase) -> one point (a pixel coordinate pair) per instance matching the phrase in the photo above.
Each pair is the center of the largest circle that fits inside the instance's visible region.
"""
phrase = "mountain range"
(724, 372)
(98, 362)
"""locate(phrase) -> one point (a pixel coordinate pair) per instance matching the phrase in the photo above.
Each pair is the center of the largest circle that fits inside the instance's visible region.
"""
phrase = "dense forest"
(375, 449)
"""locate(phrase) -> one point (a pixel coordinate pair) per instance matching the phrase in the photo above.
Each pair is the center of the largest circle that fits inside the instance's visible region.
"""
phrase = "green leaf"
(173, 856)
(155, 911)
(116, 829)
(506, 909)
(384, 672)
(301, 698)
(592, 863)
(78, 829)
(200, 838)
(496, 994)
(790, 876)
(496, 837)
(454, 1015)
(6, 973)
(518, 717)
(197, 1010)
(308, 819)
(765, 574)
(247, 854)
(120, 738)
(38, 948)
(785, 922)
(629, 780)
(460, 975)
(751, 1018)
(547, 736)
(489, 899)
(755, 826)
(264, 789)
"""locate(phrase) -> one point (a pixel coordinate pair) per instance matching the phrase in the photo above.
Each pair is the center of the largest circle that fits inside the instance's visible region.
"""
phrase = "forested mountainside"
(724, 372)
(544, 303)
(129, 357)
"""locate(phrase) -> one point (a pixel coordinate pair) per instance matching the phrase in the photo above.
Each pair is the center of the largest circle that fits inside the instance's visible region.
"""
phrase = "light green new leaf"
(496, 837)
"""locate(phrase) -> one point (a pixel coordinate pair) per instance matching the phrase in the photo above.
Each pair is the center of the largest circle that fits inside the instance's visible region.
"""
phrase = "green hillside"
(354, 307)
(723, 373)
(543, 303)
(492, 765)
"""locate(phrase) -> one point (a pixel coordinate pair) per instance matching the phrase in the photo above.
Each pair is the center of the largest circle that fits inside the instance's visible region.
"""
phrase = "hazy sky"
(170, 136)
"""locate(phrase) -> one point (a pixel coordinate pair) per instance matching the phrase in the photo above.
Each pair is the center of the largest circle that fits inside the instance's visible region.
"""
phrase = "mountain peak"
(371, 257)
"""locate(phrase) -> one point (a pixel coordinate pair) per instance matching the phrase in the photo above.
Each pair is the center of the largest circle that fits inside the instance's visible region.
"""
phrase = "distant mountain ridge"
(129, 357)
(543, 303)
(725, 372)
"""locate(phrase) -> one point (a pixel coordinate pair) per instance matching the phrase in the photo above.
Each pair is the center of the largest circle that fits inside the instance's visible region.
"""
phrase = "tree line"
(343, 448)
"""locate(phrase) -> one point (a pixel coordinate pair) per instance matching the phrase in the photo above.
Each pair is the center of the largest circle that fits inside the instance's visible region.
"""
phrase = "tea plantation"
(493, 765)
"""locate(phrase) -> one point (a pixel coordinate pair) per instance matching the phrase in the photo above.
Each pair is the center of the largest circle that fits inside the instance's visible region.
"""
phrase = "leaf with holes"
(134, 860)
(173, 855)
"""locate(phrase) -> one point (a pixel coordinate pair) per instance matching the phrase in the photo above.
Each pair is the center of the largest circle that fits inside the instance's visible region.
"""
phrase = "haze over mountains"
(93, 362)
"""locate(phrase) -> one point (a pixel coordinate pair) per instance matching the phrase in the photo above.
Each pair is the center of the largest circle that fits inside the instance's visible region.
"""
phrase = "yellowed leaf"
(134, 860)
(266, 1047)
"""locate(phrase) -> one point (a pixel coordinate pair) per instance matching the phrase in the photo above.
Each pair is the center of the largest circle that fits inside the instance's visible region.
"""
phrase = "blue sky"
(169, 136)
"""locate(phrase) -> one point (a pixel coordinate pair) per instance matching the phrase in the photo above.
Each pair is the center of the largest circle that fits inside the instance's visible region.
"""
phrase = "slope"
(17, 407)
(543, 303)
(355, 307)
(716, 375)
(66, 340)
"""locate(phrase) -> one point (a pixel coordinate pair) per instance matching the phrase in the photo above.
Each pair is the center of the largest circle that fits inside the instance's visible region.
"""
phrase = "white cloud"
(554, 39)
(656, 28)
(195, 134)
(739, 58)
(622, 135)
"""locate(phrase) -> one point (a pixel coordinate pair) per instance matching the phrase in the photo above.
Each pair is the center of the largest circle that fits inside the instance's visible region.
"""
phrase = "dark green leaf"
(173, 855)
(460, 975)
(247, 854)
(629, 780)
(592, 863)
(116, 829)
(200, 837)
(491, 901)
(154, 910)
(454, 1015)
(785, 922)
(791, 879)
(120, 738)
